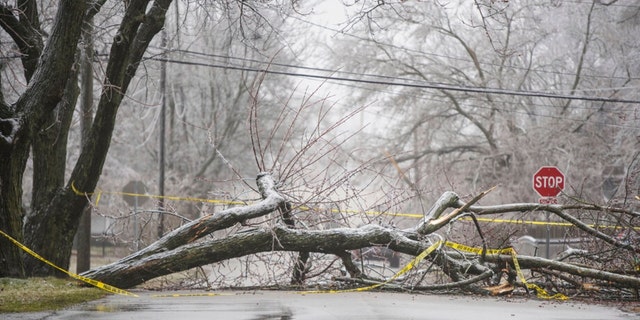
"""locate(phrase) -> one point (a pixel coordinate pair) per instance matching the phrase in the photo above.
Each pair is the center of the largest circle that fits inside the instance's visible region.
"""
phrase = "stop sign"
(548, 181)
(132, 191)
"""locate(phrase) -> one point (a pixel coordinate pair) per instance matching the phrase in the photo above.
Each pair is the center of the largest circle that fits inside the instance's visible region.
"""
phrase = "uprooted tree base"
(187, 247)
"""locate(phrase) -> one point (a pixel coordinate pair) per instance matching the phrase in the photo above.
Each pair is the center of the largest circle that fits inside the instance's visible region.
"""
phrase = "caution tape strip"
(476, 250)
(99, 194)
(540, 293)
(404, 270)
(92, 282)
(179, 295)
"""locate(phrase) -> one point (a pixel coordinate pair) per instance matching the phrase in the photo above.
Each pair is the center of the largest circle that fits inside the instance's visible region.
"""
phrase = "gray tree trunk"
(179, 250)
(51, 225)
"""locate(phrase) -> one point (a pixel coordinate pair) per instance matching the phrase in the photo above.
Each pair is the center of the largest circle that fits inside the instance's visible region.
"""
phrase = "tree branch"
(130, 272)
(199, 228)
(433, 219)
(527, 262)
(560, 211)
(25, 33)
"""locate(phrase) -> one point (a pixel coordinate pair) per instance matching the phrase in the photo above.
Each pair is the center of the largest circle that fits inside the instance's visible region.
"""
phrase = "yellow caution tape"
(541, 293)
(178, 295)
(92, 282)
(476, 250)
(174, 198)
(404, 270)
(99, 194)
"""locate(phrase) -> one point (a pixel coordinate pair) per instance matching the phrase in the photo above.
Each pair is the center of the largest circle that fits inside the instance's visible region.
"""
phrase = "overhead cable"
(406, 83)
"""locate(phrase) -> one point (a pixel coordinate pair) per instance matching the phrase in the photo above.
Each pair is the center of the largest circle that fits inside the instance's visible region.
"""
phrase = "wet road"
(258, 305)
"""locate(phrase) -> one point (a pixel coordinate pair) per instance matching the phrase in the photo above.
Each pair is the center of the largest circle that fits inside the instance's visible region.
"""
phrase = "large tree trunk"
(197, 229)
(65, 207)
(32, 123)
(180, 250)
(279, 238)
(11, 212)
(49, 164)
(22, 122)
(15, 139)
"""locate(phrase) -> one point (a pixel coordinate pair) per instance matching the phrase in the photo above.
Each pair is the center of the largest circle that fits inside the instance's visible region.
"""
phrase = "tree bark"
(179, 250)
(49, 152)
(136, 271)
(22, 122)
(131, 272)
(137, 29)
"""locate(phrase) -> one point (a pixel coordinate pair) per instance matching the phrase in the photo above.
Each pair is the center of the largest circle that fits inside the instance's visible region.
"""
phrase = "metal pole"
(163, 107)
(547, 255)
(136, 231)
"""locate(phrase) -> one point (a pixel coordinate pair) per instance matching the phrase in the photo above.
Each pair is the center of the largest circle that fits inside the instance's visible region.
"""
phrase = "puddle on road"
(283, 314)
(111, 307)
(260, 310)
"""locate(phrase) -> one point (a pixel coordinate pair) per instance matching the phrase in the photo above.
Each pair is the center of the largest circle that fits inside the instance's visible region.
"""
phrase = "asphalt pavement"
(257, 305)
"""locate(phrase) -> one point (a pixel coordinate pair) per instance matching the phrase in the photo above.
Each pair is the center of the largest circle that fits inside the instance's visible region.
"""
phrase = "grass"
(43, 294)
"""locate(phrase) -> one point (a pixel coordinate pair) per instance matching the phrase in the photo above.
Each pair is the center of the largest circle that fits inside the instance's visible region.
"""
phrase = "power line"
(285, 65)
(333, 72)
(406, 82)
(273, 63)
(479, 106)
(421, 85)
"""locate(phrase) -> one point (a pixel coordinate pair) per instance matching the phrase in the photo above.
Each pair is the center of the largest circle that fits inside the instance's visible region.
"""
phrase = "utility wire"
(421, 85)
(333, 72)
(410, 83)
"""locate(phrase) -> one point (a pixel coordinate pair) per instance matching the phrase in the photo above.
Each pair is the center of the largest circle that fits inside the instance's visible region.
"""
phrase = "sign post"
(548, 182)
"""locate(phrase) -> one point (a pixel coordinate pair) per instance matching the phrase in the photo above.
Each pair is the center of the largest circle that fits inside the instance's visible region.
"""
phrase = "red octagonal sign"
(548, 181)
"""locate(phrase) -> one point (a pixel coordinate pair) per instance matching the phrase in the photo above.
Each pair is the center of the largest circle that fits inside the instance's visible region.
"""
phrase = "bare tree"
(39, 120)
(123, 32)
(181, 250)
(278, 224)
(490, 124)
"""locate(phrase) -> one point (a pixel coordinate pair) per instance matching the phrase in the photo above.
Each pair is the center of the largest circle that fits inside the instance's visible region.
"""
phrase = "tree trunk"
(179, 250)
(50, 231)
(11, 210)
(22, 122)
(49, 164)
(127, 272)
(202, 227)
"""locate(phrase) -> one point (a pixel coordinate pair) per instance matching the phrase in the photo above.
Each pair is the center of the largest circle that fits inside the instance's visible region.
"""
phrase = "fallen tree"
(191, 246)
